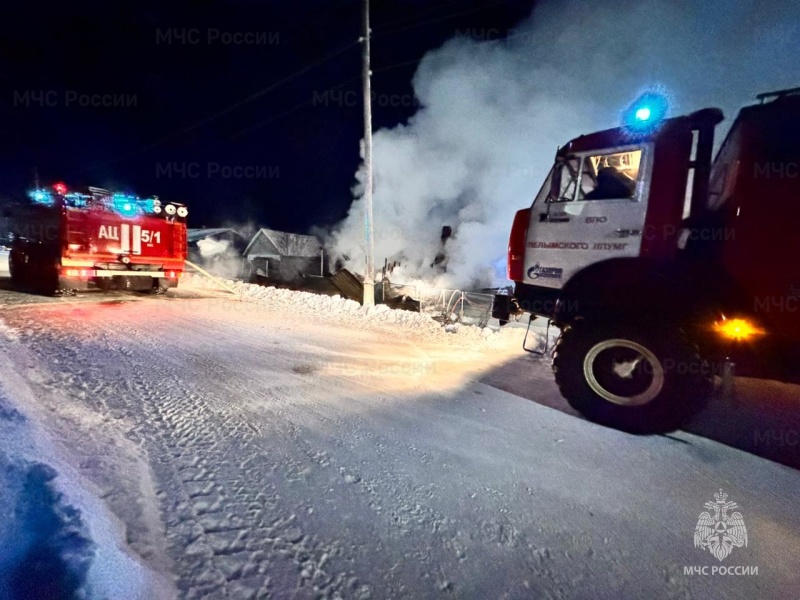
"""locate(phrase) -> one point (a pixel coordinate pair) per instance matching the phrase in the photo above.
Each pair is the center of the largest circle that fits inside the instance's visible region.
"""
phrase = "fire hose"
(216, 280)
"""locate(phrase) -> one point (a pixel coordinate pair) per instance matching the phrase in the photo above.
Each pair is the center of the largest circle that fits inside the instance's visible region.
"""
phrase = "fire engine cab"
(658, 265)
(64, 241)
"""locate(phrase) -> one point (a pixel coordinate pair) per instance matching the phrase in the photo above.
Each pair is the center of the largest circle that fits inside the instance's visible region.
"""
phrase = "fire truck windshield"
(596, 176)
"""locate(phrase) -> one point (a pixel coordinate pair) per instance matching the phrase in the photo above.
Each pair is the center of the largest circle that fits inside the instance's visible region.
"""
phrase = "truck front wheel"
(629, 378)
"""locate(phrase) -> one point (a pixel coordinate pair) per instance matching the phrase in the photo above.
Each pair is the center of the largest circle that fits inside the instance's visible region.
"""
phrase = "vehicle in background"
(64, 241)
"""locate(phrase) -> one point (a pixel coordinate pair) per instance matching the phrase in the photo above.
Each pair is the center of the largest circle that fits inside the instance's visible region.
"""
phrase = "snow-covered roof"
(269, 241)
(192, 235)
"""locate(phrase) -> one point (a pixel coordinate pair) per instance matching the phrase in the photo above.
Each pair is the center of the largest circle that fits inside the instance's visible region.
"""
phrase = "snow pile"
(333, 307)
(338, 309)
(57, 538)
(49, 547)
(45, 551)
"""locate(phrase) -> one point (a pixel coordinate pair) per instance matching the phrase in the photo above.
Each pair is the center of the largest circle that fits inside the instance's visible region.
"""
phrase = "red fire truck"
(661, 267)
(64, 241)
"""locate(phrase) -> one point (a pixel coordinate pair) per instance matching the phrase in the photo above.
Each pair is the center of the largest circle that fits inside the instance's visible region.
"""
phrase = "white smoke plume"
(494, 112)
(210, 248)
(223, 259)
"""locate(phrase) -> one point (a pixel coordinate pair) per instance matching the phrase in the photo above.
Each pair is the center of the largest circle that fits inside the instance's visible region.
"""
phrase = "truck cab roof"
(622, 136)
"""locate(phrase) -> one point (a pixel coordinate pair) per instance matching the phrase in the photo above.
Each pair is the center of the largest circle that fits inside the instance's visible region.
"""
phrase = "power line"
(258, 94)
(269, 121)
(230, 108)
(274, 118)
(297, 107)
(397, 65)
(418, 13)
(443, 18)
(307, 102)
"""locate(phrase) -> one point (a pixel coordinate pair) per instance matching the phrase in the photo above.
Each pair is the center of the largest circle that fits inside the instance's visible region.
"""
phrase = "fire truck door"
(594, 209)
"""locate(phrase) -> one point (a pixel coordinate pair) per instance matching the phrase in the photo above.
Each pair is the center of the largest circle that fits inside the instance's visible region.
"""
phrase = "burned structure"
(278, 256)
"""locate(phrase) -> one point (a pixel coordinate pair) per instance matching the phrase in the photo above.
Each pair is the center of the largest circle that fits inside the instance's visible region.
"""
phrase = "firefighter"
(611, 183)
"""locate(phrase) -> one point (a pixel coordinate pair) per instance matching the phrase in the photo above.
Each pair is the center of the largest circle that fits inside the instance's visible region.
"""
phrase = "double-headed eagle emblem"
(718, 531)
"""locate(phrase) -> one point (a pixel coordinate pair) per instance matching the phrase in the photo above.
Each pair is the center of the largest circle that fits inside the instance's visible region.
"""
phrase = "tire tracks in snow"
(227, 532)
(270, 483)
(230, 533)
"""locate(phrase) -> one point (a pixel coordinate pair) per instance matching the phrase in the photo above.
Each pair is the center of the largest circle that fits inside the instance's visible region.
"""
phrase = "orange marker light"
(738, 329)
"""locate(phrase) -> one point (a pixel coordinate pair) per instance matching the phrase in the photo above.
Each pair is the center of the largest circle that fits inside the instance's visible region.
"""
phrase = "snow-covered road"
(252, 451)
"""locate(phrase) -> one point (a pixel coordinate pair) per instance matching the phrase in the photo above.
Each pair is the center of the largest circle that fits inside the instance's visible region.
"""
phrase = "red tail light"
(82, 273)
(516, 245)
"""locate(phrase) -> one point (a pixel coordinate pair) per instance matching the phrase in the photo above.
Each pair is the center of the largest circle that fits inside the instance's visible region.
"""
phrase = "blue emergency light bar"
(126, 205)
(646, 113)
(41, 196)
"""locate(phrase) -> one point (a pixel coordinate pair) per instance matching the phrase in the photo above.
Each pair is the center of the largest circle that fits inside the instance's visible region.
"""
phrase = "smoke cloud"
(494, 112)
(222, 258)
(210, 248)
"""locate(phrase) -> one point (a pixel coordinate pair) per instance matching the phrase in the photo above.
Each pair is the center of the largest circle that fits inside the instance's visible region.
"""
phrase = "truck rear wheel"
(630, 379)
(160, 286)
(49, 283)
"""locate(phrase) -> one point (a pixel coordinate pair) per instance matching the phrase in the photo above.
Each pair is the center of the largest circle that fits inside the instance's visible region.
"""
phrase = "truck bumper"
(107, 279)
(117, 282)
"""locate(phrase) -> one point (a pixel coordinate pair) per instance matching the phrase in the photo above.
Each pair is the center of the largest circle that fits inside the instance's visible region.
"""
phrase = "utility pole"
(369, 283)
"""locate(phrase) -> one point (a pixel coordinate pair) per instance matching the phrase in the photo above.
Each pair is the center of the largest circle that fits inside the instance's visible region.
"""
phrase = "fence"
(447, 306)
(469, 308)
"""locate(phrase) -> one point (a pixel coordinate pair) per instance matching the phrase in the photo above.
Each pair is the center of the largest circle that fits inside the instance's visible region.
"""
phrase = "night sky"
(245, 111)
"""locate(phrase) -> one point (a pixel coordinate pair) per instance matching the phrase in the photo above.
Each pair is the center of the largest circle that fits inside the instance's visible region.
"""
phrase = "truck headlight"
(170, 209)
(182, 211)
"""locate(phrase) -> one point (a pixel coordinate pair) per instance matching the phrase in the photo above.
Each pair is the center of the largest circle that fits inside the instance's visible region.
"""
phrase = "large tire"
(631, 378)
(44, 276)
(49, 284)
(160, 286)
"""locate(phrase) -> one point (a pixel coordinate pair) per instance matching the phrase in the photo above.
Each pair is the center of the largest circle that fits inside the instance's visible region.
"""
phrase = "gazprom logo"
(538, 272)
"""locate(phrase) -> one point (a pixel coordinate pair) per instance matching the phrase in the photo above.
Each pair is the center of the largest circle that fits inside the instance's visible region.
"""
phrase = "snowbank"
(342, 310)
(45, 537)
(59, 544)
(57, 538)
